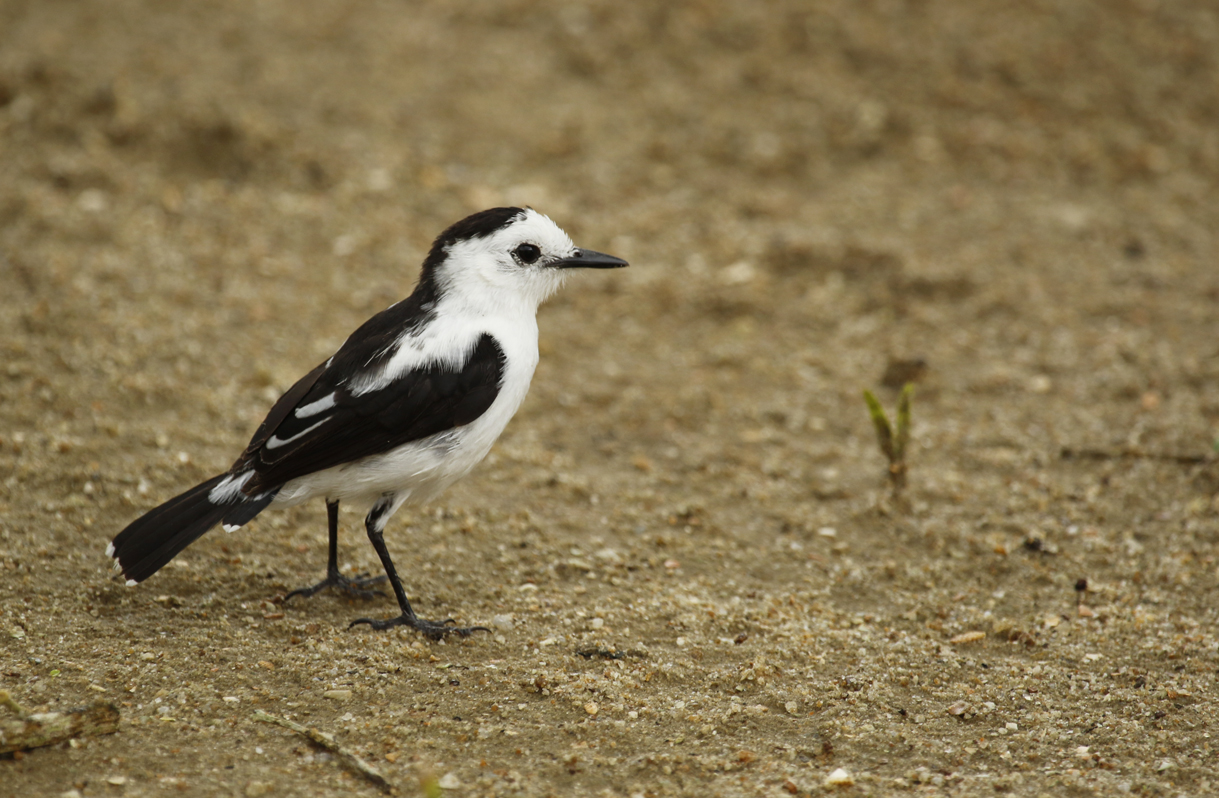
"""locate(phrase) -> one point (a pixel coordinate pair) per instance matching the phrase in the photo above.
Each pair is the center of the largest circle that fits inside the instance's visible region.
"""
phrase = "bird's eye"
(527, 253)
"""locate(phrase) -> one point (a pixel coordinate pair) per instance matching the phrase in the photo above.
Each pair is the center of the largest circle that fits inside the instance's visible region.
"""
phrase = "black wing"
(319, 423)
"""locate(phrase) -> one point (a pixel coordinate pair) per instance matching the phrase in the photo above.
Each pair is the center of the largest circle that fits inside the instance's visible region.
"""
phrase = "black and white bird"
(408, 405)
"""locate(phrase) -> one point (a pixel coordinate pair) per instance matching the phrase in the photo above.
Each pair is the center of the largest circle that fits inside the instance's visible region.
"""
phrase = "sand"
(696, 578)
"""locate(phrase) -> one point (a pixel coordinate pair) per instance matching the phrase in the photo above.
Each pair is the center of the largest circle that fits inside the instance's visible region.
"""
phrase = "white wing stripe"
(277, 442)
(313, 408)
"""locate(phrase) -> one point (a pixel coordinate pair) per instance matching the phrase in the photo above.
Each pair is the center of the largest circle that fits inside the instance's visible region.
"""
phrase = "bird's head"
(507, 255)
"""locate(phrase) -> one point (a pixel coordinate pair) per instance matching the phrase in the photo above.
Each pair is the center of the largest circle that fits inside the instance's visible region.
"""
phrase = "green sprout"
(893, 438)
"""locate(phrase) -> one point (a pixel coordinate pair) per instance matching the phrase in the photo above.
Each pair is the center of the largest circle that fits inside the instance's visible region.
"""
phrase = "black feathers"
(480, 225)
(418, 404)
(346, 409)
(155, 538)
(415, 405)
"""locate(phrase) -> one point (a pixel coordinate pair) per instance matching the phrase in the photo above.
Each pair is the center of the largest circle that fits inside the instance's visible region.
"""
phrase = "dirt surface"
(198, 202)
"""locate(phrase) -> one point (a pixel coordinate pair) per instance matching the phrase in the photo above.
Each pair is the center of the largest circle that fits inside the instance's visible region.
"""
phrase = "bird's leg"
(357, 587)
(378, 516)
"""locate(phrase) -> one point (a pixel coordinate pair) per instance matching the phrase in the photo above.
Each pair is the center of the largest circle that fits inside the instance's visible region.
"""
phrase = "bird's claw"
(356, 588)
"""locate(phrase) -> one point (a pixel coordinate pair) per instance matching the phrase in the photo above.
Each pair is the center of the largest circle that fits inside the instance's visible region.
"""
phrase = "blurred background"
(1010, 203)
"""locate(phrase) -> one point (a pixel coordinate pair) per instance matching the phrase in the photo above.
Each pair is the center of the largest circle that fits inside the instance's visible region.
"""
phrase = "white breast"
(422, 469)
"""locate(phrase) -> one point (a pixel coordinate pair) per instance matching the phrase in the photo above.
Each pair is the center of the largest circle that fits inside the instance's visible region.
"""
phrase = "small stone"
(591, 708)
(92, 200)
(116, 781)
(337, 695)
(967, 637)
(738, 273)
(792, 708)
(1040, 383)
(839, 778)
(254, 789)
(502, 622)
(609, 556)
(1165, 765)
(449, 781)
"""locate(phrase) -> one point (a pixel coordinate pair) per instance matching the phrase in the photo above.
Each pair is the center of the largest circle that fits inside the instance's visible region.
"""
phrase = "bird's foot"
(356, 588)
(433, 630)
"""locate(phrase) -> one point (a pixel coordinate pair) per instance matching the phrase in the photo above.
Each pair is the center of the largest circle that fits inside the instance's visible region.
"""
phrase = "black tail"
(156, 537)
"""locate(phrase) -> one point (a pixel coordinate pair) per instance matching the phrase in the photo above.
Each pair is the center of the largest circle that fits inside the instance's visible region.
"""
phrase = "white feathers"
(483, 288)
(422, 469)
(110, 551)
(229, 488)
(484, 273)
(485, 292)
(313, 408)
(132, 583)
(486, 285)
(275, 442)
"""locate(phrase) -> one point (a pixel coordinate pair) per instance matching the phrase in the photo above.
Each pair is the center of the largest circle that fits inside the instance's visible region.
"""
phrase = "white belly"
(422, 469)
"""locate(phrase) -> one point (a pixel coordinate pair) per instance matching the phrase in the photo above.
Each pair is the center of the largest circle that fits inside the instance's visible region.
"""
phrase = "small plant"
(893, 437)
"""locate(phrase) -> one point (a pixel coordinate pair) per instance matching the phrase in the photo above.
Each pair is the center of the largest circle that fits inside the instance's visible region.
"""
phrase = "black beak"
(587, 259)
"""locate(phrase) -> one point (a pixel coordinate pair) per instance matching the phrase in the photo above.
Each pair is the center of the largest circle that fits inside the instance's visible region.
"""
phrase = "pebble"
(337, 695)
(839, 778)
(967, 637)
(449, 781)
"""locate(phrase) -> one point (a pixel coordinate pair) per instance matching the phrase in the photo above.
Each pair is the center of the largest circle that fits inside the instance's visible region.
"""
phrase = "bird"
(408, 405)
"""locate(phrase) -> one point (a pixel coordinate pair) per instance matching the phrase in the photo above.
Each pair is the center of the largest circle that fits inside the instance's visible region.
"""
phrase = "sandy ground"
(198, 202)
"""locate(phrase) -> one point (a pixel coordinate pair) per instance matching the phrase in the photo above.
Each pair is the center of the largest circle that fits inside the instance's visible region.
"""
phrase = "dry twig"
(36, 729)
(1135, 454)
(330, 744)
